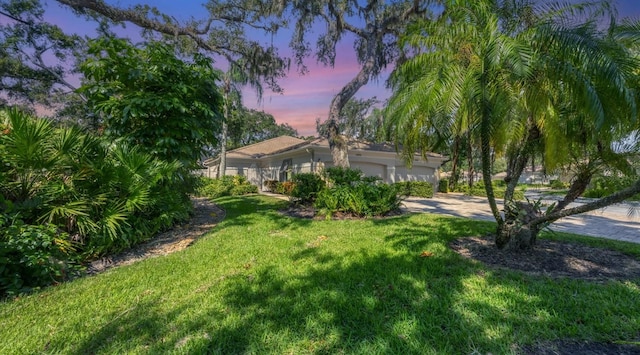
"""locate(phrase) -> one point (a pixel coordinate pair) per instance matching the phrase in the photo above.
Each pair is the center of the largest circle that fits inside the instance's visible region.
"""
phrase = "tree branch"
(137, 18)
(16, 18)
(600, 203)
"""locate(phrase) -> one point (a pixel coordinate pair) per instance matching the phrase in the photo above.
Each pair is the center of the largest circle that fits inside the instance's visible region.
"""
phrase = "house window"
(285, 170)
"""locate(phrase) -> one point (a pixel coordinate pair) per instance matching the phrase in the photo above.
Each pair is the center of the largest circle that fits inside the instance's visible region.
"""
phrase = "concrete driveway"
(613, 222)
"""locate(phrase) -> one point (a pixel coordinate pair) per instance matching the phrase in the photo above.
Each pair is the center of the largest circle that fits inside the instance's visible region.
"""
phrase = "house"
(279, 158)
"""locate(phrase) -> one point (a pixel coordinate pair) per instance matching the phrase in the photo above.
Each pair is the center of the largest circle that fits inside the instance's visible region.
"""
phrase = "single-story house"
(279, 158)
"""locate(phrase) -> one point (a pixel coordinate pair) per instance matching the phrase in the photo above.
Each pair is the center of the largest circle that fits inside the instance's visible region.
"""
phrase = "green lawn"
(264, 283)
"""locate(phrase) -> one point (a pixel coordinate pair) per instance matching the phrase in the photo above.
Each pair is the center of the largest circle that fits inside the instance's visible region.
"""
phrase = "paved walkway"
(613, 222)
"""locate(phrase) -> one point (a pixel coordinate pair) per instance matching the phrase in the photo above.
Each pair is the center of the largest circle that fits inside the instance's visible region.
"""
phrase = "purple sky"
(305, 97)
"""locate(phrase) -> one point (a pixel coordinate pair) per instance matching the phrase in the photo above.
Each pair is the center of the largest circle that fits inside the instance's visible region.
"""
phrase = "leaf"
(426, 254)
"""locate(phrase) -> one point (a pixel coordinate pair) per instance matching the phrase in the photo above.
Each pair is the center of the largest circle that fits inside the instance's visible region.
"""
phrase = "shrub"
(558, 184)
(33, 256)
(285, 188)
(606, 185)
(443, 186)
(366, 197)
(415, 188)
(499, 190)
(306, 187)
(230, 185)
(342, 176)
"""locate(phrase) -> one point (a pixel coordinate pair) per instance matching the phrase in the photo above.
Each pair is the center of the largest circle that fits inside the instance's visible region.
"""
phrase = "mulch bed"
(553, 259)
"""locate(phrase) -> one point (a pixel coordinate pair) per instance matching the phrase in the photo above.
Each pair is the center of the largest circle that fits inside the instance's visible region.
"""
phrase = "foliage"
(306, 187)
(606, 185)
(558, 184)
(33, 256)
(358, 120)
(443, 186)
(271, 185)
(150, 98)
(339, 176)
(499, 190)
(248, 126)
(229, 185)
(522, 81)
(416, 188)
(102, 195)
(285, 188)
(36, 58)
(349, 192)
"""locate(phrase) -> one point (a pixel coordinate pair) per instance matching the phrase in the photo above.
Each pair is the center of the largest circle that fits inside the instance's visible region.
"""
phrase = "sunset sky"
(305, 97)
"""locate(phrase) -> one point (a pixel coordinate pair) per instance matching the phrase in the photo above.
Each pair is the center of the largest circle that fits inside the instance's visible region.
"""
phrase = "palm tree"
(526, 87)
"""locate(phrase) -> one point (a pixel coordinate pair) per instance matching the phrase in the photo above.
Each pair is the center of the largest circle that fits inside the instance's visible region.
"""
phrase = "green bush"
(342, 176)
(285, 188)
(366, 197)
(306, 187)
(558, 184)
(33, 256)
(415, 188)
(606, 185)
(499, 190)
(443, 186)
(230, 185)
(108, 195)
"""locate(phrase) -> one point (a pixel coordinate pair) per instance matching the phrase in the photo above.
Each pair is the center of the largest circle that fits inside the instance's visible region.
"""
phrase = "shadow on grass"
(386, 299)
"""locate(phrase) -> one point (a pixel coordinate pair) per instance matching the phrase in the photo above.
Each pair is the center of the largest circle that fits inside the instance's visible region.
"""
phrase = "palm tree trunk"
(485, 142)
(470, 171)
(578, 186)
(453, 179)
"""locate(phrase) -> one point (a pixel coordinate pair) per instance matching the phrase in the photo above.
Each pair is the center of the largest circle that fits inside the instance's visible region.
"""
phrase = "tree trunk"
(519, 231)
(223, 151)
(470, 171)
(578, 186)
(453, 179)
(485, 149)
(337, 141)
(222, 168)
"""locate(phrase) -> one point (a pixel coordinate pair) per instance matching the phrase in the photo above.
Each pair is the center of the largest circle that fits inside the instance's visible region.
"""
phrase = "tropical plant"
(349, 191)
(529, 80)
(70, 196)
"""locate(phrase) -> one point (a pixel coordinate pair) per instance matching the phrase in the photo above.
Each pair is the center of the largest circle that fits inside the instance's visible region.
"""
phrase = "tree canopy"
(152, 99)
(36, 58)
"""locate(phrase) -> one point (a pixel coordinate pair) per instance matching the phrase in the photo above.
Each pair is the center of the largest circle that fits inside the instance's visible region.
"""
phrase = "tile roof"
(285, 143)
(270, 146)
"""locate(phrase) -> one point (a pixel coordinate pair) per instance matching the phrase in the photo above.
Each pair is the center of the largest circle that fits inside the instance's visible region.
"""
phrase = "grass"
(265, 283)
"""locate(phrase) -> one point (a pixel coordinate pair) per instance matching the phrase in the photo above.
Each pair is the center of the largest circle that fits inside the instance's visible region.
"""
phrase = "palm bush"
(63, 185)
(352, 193)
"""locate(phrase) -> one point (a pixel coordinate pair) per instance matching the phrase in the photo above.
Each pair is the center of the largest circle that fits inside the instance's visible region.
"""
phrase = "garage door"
(417, 173)
(371, 169)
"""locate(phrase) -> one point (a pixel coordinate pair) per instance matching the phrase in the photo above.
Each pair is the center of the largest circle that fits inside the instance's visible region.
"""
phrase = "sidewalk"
(612, 222)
